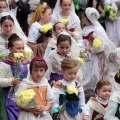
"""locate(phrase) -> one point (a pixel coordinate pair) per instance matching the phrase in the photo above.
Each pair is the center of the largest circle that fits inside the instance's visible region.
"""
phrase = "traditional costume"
(97, 108)
(8, 108)
(97, 68)
(74, 22)
(43, 95)
(73, 110)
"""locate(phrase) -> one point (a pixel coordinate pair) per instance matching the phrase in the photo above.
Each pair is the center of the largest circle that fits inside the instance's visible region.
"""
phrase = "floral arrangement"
(84, 55)
(25, 99)
(81, 61)
(70, 95)
(46, 30)
(97, 44)
(64, 21)
(28, 53)
(109, 14)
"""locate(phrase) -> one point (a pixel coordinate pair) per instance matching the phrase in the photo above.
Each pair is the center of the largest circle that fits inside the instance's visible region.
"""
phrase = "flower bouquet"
(46, 30)
(28, 54)
(109, 14)
(17, 72)
(97, 44)
(68, 101)
(25, 99)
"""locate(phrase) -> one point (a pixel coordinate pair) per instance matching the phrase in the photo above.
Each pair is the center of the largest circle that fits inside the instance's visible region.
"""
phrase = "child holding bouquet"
(69, 94)
(99, 47)
(10, 77)
(99, 103)
(38, 106)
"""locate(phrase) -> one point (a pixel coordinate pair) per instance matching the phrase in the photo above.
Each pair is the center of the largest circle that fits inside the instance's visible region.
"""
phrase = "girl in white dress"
(113, 109)
(35, 40)
(44, 96)
(64, 9)
(99, 103)
(69, 68)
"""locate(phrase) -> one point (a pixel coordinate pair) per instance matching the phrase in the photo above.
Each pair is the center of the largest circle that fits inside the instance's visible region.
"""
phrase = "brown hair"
(100, 84)
(69, 63)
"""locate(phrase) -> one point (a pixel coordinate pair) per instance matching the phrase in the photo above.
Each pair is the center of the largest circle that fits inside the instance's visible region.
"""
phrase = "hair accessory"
(38, 59)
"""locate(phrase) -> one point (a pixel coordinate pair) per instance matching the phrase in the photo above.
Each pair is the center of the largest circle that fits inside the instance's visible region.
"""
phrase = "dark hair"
(86, 17)
(13, 38)
(69, 63)
(3, 1)
(61, 1)
(117, 77)
(63, 38)
(100, 84)
(6, 18)
(90, 3)
(38, 64)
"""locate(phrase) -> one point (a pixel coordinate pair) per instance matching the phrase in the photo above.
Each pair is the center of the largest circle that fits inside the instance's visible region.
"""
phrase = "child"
(57, 29)
(3, 5)
(64, 45)
(41, 87)
(69, 68)
(113, 109)
(97, 68)
(99, 103)
(8, 108)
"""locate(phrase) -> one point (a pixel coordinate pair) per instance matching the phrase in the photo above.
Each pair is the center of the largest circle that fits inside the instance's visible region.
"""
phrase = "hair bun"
(13, 36)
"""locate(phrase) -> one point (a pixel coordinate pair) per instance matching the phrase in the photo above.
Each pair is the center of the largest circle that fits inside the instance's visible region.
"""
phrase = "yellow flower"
(81, 61)
(71, 90)
(64, 21)
(28, 53)
(97, 44)
(18, 55)
(45, 28)
(25, 97)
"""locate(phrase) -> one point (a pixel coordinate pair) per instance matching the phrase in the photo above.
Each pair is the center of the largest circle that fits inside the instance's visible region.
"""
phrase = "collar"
(102, 101)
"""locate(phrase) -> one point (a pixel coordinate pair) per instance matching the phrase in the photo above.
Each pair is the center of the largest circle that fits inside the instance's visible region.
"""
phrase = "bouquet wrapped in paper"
(46, 30)
(109, 14)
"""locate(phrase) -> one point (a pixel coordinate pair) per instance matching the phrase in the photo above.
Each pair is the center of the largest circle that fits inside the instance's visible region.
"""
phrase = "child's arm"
(111, 111)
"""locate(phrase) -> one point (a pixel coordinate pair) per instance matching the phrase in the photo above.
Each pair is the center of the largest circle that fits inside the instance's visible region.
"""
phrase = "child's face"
(37, 74)
(60, 27)
(64, 48)
(70, 74)
(3, 5)
(105, 92)
(18, 47)
(86, 21)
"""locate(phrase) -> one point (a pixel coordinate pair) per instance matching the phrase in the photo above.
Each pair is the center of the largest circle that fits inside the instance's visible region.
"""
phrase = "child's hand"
(43, 108)
(15, 82)
(85, 117)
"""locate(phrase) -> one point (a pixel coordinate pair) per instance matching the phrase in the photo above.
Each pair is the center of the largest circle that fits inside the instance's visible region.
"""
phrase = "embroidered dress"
(43, 96)
(8, 107)
(96, 68)
(67, 114)
(97, 108)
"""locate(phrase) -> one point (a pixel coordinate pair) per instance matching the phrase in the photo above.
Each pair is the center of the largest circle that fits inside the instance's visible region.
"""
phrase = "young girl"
(97, 68)
(69, 68)
(99, 103)
(8, 108)
(57, 29)
(44, 94)
(41, 17)
(64, 49)
(3, 5)
(65, 9)
(113, 109)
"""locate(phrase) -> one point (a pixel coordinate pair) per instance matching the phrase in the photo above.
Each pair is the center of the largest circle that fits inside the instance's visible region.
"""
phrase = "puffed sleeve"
(5, 75)
(82, 104)
(110, 111)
